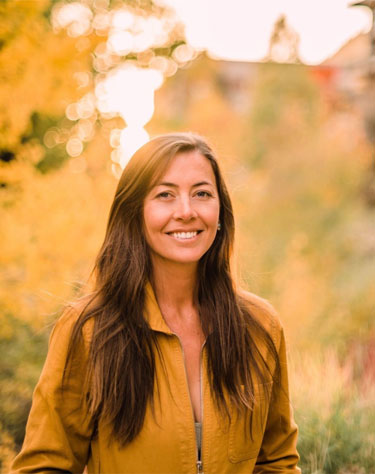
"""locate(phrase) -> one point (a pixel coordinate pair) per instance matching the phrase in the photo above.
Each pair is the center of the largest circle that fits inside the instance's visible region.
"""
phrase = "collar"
(153, 314)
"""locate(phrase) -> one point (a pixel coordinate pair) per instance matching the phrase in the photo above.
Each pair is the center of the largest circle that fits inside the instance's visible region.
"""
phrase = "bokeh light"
(128, 91)
(132, 138)
(74, 147)
(123, 88)
(75, 17)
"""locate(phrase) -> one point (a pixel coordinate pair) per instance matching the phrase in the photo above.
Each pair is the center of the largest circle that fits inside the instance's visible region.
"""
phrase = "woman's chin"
(182, 259)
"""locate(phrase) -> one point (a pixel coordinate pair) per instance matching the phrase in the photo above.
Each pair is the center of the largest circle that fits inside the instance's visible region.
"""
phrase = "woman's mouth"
(185, 235)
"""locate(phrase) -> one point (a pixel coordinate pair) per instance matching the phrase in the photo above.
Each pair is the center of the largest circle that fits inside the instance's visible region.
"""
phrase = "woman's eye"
(164, 195)
(203, 194)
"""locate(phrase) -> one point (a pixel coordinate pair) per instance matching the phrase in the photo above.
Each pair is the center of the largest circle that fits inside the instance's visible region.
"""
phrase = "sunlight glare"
(120, 42)
(122, 19)
(183, 53)
(165, 65)
(75, 17)
(131, 139)
(130, 32)
(129, 92)
(101, 22)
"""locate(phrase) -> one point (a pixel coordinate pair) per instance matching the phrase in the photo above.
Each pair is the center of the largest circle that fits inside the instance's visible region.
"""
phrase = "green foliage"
(344, 442)
(23, 352)
(37, 68)
(283, 94)
(54, 156)
(307, 221)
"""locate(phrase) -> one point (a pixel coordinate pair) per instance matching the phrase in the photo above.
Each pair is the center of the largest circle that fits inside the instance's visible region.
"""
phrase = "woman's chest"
(192, 347)
(167, 441)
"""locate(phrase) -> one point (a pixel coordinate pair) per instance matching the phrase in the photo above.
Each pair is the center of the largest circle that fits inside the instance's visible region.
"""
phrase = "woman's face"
(181, 212)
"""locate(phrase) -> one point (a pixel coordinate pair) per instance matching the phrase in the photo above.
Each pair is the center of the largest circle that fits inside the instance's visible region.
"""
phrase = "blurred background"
(285, 91)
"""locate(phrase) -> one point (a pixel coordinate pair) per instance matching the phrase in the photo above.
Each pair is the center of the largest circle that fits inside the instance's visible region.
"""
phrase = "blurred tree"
(51, 55)
(303, 217)
(368, 100)
(37, 70)
(55, 178)
(284, 43)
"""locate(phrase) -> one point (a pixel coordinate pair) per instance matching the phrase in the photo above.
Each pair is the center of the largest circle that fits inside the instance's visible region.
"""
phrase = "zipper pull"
(199, 467)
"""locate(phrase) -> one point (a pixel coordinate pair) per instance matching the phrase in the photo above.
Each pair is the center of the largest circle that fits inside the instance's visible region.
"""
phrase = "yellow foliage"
(37, 67)
(52, 228)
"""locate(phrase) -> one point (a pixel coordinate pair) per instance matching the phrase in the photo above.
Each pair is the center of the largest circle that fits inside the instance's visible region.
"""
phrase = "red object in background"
(325, 75)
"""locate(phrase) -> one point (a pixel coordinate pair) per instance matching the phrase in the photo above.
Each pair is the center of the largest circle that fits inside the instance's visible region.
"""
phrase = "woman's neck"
(174, 287)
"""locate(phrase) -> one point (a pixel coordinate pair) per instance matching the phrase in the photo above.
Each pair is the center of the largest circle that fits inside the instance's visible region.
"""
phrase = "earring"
(218, 226)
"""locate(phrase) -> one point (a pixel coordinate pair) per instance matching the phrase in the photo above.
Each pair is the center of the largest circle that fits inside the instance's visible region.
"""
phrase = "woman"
(165, 367)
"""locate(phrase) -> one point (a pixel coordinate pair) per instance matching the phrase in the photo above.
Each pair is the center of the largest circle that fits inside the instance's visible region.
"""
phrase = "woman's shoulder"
(264, 313)
(70, 316)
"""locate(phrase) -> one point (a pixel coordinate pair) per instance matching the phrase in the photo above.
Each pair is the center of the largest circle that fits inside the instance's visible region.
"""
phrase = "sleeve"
(58, 430)
(278, 452)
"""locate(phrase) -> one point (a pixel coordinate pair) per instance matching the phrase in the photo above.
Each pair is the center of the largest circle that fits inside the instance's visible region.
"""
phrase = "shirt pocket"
(247, 428)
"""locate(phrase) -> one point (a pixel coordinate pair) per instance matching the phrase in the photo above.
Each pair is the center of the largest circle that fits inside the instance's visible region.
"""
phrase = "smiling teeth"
(184, 235)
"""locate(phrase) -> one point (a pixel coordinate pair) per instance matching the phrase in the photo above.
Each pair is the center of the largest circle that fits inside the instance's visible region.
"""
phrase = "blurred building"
(348, 68)
(342, 79)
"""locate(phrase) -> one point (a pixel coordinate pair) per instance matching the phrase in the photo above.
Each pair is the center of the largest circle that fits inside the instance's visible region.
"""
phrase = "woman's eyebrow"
(202, 183)
(169, 185)
(173, 185)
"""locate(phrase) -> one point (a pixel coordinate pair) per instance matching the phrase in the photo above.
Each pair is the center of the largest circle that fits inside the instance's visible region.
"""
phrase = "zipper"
(199, 463)
(199, 452)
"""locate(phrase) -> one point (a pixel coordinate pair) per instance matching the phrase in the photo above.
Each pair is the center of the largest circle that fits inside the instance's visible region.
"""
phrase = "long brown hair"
(121, 363)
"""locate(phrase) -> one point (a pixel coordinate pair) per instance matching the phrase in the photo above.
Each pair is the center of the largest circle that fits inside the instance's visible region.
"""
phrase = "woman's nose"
(184, 209)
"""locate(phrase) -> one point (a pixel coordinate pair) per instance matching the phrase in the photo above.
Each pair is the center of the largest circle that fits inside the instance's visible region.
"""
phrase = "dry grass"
(335, 410)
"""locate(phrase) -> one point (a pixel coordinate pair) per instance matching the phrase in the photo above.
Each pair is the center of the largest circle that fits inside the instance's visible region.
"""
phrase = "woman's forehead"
(188, 166)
